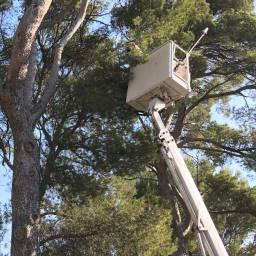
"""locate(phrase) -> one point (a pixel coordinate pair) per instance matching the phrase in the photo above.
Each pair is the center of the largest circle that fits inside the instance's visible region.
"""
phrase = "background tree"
(23, 110)
(222, 67)
(115, 223)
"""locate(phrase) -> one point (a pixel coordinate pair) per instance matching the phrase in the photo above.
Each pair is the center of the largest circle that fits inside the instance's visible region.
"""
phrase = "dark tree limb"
(51, 83)
(167, 191)
(67, 237)
(180, 121)
(56, 213)
(236, 211)
(215, 143)
(202, 98)
(212, 150)
(207, 96)
(187, 223)
(246, 152)
(31, 74)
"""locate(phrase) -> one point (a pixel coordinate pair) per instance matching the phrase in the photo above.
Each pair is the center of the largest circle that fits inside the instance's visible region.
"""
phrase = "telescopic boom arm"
(208, 237)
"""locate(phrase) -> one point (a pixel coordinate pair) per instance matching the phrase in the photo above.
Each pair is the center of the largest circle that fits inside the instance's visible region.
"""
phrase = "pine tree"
(88, 133)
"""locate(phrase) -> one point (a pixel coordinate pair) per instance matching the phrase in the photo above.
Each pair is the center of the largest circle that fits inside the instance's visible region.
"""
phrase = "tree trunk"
(167, 191)
(16, 100)
(26, 178)
(25, 196)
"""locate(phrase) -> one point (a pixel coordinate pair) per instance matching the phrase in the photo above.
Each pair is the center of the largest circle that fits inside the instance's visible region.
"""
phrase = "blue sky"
(5, 196)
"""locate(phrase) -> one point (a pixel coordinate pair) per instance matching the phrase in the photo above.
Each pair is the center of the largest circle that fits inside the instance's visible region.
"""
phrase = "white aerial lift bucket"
(165, 76)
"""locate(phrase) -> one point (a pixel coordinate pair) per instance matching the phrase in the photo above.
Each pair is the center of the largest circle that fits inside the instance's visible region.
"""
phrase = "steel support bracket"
(156, 105)
(199, 224)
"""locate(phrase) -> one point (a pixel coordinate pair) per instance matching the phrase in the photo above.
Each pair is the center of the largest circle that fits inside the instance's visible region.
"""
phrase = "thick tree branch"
(24, 38)
(212, 150)
(168, 191)
(31, 74)
(57, 18)
(146, 129)
(215, 143)
(67, 237)
(187, 220)
(51, 83)
(141, 178)
(241, 211)
(202, 98)
(57, 213)
(180, 121)
(220, 95)
(233, 92)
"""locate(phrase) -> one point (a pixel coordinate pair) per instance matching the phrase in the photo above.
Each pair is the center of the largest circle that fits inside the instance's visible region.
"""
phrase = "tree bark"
(17, 104)
(25, 193)
(26, 178)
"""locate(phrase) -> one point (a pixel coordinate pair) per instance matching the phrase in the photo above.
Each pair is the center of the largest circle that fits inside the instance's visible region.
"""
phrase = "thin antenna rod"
(197, 42)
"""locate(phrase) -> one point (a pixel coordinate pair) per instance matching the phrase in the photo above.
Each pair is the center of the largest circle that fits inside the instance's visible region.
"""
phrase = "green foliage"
(88, 129)
(131, 218)
(91, 142)
(90, 135)
(218, 6)
(115, 222)
(231, 202)
(220, 66)
(5, 5)
(232, 193)
(88, 122)
(151, 23)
